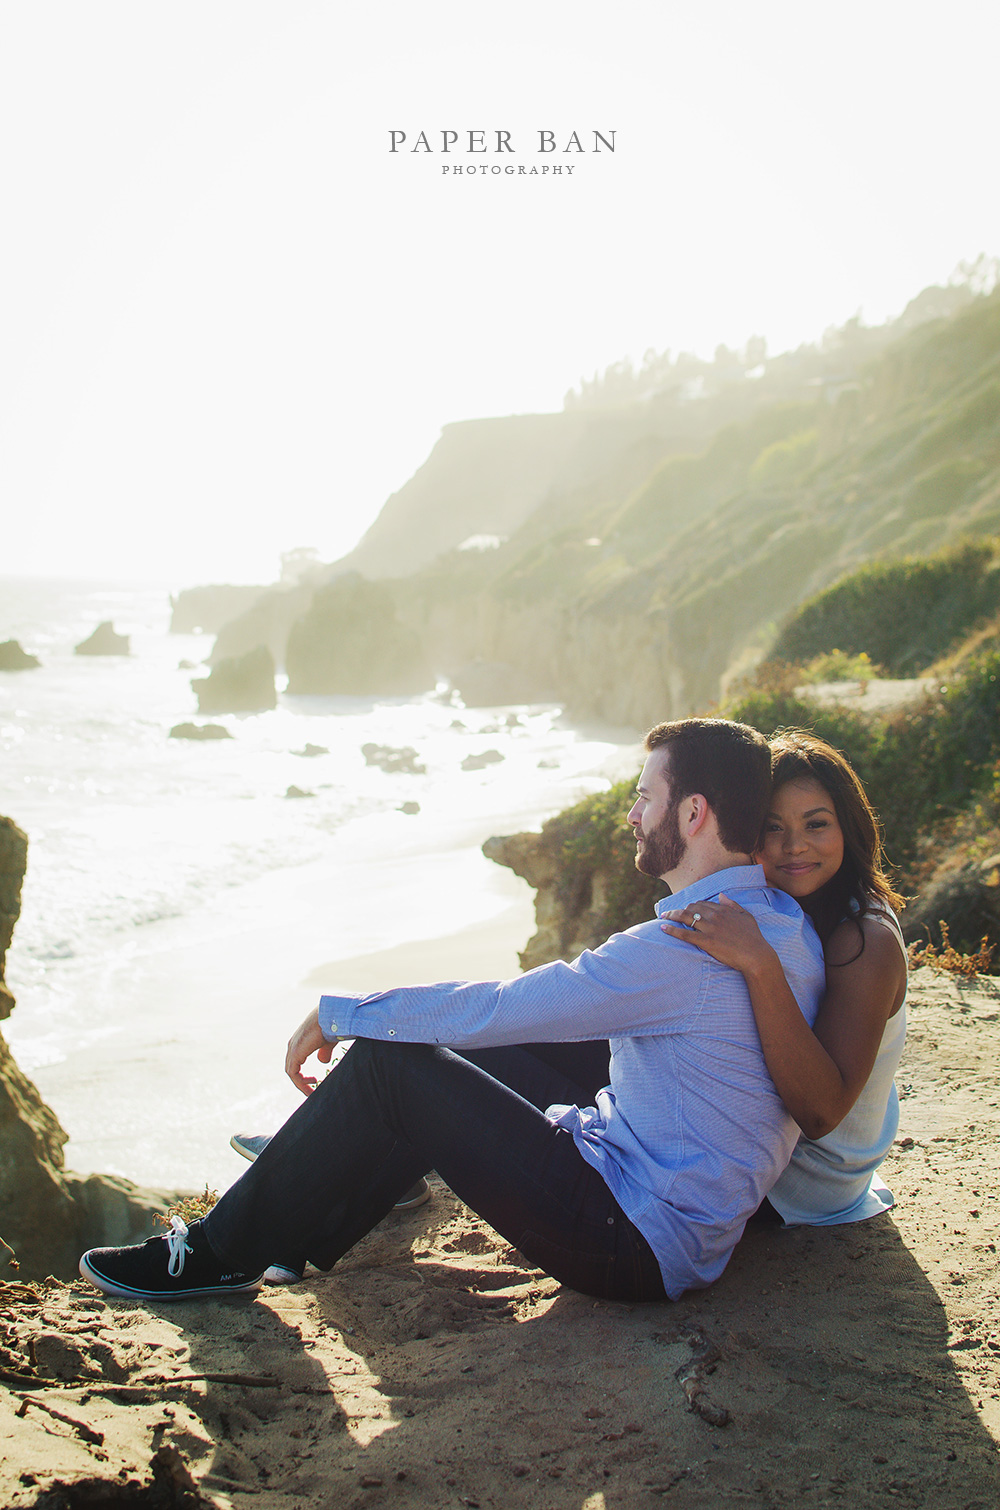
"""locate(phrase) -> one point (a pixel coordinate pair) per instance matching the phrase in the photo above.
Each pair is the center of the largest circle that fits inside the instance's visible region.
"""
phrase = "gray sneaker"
(249, 1145)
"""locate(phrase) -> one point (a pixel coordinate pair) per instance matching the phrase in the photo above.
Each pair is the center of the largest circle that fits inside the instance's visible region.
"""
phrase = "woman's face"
(803, 843)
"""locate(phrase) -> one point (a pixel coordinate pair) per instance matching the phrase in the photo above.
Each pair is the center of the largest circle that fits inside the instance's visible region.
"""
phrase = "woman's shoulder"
(877, 932)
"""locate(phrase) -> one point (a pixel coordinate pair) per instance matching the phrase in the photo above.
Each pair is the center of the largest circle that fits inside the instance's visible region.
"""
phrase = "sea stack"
(13, 658)
(104, 641)
(244, 684)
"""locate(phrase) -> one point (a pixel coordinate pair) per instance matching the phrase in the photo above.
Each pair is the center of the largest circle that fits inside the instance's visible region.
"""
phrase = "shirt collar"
(736, 878)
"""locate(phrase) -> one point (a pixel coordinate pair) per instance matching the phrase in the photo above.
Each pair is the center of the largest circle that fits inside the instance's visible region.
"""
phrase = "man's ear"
(698, 812)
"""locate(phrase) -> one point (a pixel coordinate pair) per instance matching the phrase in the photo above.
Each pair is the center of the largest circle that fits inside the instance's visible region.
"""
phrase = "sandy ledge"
(856, 1365)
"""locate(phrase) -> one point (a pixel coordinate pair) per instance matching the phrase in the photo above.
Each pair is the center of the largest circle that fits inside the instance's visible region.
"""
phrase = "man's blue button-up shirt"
(690, 1134)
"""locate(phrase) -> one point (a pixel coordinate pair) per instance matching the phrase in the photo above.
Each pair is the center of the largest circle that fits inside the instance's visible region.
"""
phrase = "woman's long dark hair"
(861, 881)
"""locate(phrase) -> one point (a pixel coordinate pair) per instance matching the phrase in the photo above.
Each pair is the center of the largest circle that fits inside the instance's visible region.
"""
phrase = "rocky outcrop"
(204, 610)
(242, 685)
(567, 920)
(14, 658)
(350, 642)
(578, 903)
(13, 862)
(104, 641)
(48, 1216)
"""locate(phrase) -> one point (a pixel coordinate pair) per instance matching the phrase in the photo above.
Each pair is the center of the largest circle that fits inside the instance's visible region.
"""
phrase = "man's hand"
(306, 1040)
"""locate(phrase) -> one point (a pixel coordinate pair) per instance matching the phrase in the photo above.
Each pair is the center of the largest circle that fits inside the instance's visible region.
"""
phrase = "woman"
(821, 844)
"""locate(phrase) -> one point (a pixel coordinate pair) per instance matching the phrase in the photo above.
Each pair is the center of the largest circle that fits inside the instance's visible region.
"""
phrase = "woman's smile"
(803, 844)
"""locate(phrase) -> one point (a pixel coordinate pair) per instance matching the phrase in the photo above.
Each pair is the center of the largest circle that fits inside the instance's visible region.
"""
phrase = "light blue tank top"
(833, 1179)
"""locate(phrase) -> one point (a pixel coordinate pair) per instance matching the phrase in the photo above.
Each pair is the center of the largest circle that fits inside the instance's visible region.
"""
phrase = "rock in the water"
(478, 762)
(199, 731)
(394, 760)
(298, 791)
(13, 658)
(410, 808)
(104, 641)
(242, 685)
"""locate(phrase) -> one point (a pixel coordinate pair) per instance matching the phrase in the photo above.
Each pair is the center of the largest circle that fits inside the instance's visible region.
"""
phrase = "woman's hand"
(722, 929)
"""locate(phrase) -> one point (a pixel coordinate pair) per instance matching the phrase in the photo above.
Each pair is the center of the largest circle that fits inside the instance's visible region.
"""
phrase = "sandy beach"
(854, 1365)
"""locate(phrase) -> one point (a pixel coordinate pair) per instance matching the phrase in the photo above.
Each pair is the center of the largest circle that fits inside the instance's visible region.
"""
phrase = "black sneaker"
(178, 1266)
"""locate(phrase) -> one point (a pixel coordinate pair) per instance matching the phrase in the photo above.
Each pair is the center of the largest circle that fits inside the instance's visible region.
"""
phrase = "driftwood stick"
(247, 1381)
(96, 1438)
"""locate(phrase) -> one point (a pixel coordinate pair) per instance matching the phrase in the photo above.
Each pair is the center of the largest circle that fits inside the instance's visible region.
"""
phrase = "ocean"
(181, 912)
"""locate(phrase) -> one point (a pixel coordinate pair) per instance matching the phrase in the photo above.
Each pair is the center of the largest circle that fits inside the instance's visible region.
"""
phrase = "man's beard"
(663, 849)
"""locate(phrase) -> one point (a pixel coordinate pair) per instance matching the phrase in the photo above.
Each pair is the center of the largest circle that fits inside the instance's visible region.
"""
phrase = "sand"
(856, 1365)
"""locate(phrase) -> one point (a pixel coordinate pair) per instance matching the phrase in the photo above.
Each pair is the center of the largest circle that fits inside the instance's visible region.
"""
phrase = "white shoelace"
(177, 1247)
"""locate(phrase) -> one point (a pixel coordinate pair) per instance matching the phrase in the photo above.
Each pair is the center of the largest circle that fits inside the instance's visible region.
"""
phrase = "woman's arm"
(819, 1073)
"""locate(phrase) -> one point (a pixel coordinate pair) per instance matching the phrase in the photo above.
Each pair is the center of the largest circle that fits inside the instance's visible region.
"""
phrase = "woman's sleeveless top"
(832, 1179)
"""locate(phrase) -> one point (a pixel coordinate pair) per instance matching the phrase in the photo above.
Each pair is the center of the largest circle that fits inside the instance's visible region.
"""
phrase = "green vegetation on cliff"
(931, 766)
(666, 537)
(903, 614)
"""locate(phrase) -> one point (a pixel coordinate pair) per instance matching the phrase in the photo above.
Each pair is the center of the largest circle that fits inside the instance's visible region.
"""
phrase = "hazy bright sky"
(231, 323)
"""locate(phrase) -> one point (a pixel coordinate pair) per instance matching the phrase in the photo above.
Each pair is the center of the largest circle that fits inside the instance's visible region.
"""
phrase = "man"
(637, 1194)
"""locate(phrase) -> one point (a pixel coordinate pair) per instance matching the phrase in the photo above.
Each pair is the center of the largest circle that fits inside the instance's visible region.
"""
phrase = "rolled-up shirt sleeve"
(639, 982)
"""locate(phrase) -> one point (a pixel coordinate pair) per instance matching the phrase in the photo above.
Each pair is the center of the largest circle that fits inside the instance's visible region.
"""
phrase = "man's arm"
(638, 983)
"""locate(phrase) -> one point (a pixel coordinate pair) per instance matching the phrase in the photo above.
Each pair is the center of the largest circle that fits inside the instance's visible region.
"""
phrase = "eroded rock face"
(48, 1216)
(350, 642)
(242, 685)
(104, 641)
(569, 920)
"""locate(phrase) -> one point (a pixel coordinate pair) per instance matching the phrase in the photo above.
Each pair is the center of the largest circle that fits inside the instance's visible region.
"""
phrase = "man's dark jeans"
(391, 1112)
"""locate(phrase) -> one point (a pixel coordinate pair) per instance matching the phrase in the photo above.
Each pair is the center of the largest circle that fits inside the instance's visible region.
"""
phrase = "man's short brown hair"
(729, 764)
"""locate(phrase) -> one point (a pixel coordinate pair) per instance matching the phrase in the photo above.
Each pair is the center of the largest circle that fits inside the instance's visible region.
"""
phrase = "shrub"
(903, 614)
(838, 666)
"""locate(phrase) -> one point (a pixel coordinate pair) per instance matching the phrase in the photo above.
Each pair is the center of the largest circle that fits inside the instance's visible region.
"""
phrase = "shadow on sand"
(450, 1373)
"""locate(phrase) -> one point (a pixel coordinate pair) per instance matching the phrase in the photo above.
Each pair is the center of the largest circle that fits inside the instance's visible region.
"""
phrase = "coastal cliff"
(636, 562)
(48, 1215)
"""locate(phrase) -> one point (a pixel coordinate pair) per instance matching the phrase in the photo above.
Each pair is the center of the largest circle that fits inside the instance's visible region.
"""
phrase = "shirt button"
(611, 1221)
(392, 1032)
